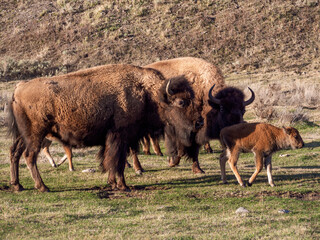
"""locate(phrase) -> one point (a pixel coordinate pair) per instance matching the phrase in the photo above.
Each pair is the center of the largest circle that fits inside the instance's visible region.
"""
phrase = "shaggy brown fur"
(260, 138)
(112, 106)
(202, 75)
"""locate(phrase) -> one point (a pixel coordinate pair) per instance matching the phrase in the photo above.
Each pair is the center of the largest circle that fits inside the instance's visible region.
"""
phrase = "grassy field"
(167, 203)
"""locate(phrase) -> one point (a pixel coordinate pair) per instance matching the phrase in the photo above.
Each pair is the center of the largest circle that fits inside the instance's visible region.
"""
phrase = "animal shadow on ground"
(312, 144)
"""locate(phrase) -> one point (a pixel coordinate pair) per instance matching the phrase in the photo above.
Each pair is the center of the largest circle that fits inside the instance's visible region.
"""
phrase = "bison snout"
(199, 123)
(301, 145)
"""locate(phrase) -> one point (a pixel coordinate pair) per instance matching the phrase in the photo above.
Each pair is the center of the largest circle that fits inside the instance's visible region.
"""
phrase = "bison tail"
(12, 127)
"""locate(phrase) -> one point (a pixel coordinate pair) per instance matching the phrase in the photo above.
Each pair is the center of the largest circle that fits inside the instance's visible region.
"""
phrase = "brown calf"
(68, 153)
(261, 139)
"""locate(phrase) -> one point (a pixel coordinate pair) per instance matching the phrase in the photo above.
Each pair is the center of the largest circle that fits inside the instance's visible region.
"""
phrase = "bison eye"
(178, 102)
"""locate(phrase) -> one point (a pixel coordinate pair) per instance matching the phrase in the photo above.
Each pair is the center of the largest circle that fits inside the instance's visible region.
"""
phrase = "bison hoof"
(17, 187)
(197, 170)
(209, 150)
(123, 188)
(173, 161)
(172, 164)
(43, 189)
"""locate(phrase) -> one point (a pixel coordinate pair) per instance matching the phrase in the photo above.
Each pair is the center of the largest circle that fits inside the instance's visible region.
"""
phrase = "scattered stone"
(89, 170)
(283, 211)
(284, 155)
(242, 210)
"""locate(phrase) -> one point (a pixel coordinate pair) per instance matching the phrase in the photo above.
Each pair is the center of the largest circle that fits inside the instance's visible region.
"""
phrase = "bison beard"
(123, 104)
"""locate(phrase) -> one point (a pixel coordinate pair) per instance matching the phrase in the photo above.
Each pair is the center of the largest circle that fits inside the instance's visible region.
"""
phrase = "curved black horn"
(212, 98)
(168, 90)
(246, 103)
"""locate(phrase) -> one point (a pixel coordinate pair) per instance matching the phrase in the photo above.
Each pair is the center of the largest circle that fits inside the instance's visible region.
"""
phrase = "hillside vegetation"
(39, 38)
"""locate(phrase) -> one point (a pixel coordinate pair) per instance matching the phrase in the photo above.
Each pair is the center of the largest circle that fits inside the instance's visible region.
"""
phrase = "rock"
(283, 211)
(284, 155)
(242, 210)
(89, 170)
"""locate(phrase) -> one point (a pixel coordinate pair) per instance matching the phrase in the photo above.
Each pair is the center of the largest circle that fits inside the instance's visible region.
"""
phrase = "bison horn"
(168, 90)
(246, 103)
(212, 98)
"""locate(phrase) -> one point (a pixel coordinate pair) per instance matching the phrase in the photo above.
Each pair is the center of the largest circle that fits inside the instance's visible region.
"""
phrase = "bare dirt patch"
(308, 196)
(135, 191)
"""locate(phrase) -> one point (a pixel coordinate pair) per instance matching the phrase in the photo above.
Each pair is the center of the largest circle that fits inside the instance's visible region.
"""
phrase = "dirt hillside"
(39, 38)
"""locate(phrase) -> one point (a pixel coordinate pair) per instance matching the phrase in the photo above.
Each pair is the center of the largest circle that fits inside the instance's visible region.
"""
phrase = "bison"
(260, 138)
(222, 106)
(112, 106)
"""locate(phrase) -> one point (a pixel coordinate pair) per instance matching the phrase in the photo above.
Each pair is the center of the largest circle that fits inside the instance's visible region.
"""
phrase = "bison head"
(227, 108)
(181, 115)
(294, 137)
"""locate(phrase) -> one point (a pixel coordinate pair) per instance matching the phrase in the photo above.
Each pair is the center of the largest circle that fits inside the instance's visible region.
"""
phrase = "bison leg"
(156, 146)
(208, 148)
(223, 159)
(194, 154)
(32, 165)
(112, 180)
(114, 160)
(45, 149)
(146, 145)
(68, 154)
(136, 163)
(268, 166)
(234, 155)
(16, 151)
(259, 166)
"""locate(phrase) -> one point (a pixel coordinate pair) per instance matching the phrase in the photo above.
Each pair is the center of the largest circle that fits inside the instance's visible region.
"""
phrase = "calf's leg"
(45, 149)
(223, 159)
(234, 155)
(156, 146)
(68, 155)
(146, 145)
(259, 166)
(268, 166)
(136, 163)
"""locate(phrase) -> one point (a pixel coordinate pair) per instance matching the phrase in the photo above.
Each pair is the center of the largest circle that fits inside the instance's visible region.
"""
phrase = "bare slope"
(49, 37)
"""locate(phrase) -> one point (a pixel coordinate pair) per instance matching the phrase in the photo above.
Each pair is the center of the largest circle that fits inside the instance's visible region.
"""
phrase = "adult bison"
(112, 106)
(222, 106)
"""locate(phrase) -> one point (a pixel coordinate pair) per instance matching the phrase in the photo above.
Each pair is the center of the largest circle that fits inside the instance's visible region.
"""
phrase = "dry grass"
(283, 97)
(50, 37)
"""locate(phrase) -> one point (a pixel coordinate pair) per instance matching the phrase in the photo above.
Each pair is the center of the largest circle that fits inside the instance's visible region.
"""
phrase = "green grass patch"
(165, 203)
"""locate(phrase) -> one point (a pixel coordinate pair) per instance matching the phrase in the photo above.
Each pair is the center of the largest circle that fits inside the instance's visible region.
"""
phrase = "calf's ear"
(287, 130)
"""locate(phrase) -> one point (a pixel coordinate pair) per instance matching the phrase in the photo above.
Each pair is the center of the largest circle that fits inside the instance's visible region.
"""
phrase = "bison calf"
(261, 139)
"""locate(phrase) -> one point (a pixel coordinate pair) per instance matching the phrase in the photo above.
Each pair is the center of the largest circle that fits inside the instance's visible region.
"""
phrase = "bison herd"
(184, 100)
